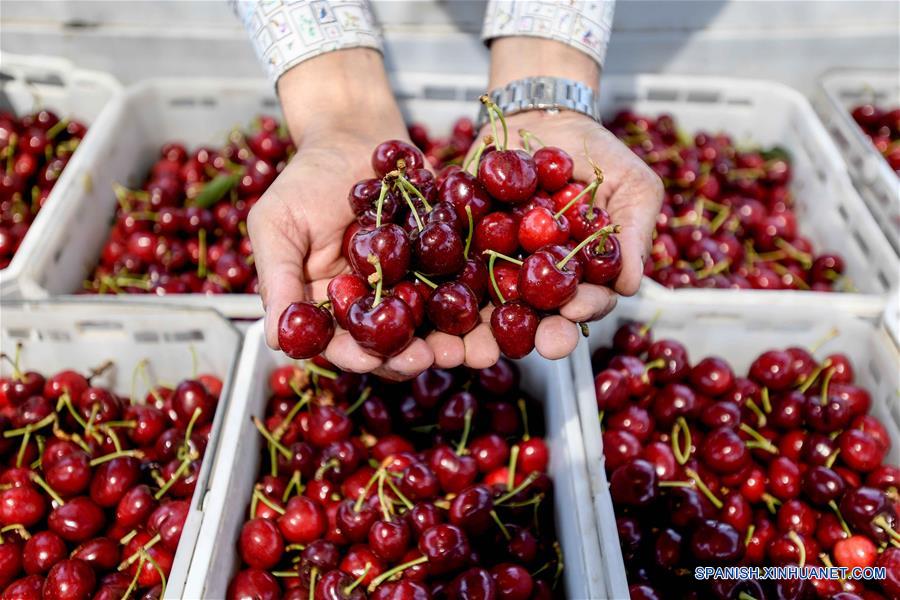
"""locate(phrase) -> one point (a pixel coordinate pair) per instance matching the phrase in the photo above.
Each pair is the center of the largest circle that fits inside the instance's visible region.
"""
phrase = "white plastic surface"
(81, 335)
(28, 83)
(237, 463)
(841, 91)
(197, 112)
(739, 335)
(829, 210)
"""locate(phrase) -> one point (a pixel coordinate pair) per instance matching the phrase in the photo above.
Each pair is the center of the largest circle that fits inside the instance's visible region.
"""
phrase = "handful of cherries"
(185, 231)
(433, 488)
(728, 217)
(883, 128)
(34, 150)
(707, 468)
(95, 488)
(430, 248)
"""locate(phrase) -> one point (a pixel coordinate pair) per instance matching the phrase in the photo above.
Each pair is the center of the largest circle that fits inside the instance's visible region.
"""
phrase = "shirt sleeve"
(287, 32)
(581, 24)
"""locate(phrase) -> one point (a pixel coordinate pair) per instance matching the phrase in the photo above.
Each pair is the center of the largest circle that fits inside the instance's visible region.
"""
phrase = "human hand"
(297, 227)
(631, 193)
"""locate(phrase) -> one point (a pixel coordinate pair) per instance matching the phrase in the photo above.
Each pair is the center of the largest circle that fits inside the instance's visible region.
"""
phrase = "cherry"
(69, 475)
(634, 483)
(21, 504)
(41, 552)
(343, 291)
(673, 401)
(513, 581)
(475, 275)
(460, 189)
(713, 542)
(446, 548)
(384, 329)
(712, 376)
(438, 250)
(507, 277)
(389, 244)
(890, 562)
(855, 551)
(261, 544)
(619, 447)
(773, 369)
(676, 365)
(784, 478)
(303, 521)
(602, 261)
(508, 175)
(554, 168)
(514, 326)
(389, 540)
(102, 554)
(723, 451)
(540, 227)
(632, 338)
(149, 424)
(497, 231)
(69, 579)
(822, 485)
(453, 308)
(254, 584)
(188, 397)
(533, 456)
(860, 451)
(304, 330)
(112, 479)
(544, 284)
(387, 154)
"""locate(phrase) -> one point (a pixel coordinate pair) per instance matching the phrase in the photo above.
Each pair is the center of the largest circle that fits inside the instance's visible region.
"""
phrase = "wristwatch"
(543, 93)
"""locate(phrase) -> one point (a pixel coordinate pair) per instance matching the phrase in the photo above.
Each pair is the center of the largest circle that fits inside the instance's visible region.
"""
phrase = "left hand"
(632, 194)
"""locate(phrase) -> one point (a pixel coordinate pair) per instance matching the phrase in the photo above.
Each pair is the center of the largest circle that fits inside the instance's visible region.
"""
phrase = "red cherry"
(554, 168)
(508, 175)
(514, 326)
(304, 330)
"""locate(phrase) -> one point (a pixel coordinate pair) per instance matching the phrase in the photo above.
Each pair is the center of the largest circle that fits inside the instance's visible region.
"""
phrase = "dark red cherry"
(773, 369)
(438, 250)
(70, 579)
(453, 308)
(554, 168)
(543, 284)
(305, 329)
(385, 329)
(508, 175)
(389, 244)
(514, 326)
(343, 291)
(386, 155)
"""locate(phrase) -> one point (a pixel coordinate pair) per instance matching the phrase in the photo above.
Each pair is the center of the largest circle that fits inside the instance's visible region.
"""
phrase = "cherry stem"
(719, 219)
(763, 442)
(766, 401)
(268, 502)
(605, 231)
(881, 521)
(523, 410)
(399, 494)
(746, 596)
(659, 363)
(385, 508)
(500, 524)
(812, 377)
(367, 391)
(353, 586)
(528, 481)
(493, 278)
(801, 547)
(10, 152)
(313, 575)
(114, 455)
(754, 408)
(331, 463)
(30, 427)
(682, 455)
(425, 280)
(824, 399)
(831, 458)
(750, 531)
(588, 189)
(804, 258)
(511, 470)
(514, 261)
(379, 278)
(817, 345)
(201, 254)
(282, 428)
(476, 158)
(645, 328)
(294, 482)
(133, 585)
(527, 136)
(493, 109)
(137, 554)
(412, 208)
(379, 206)
(703, 488)
(391, 572)
(315, 370)
(18, 528)
(270, 438)
(467, 427)
(406, 183)
(771, 502)
(185, 463)
(714, 269)
(357, 506)
(471, 231)
(834, 507)
(46, 487)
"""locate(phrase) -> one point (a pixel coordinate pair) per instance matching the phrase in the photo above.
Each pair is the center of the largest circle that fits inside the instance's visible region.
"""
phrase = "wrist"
(345, 90)
(514, 58)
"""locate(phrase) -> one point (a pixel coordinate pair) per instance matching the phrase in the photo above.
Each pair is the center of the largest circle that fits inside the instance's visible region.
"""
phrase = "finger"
(482, 350)
(344, 353)
(279, 261)
(449, 350)
(416, 358)
(591, 303)
(556, 337)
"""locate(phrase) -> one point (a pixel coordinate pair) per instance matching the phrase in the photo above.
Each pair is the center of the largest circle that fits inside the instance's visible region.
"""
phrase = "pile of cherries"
(428, 253)
(184, 231)
(728, 218)
(441, 152)
(34, 150)
(427, 489)
(883, 128)
(94, 487)
(707, 468)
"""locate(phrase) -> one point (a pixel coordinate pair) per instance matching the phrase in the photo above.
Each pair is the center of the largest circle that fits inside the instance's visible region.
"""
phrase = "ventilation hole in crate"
(876, 374)
(56, 336)
(404, 95)
(883, 280)
(624, 98)
(269, 103)
(843, 210)
(183, 101)
(99, 326)
(704, 97)
(208, 101)
(146, 337)
(862, 244)
(739, 101)
(662, 95)
(192, 335)
(54, 80)
(439, 93)
(19, 333)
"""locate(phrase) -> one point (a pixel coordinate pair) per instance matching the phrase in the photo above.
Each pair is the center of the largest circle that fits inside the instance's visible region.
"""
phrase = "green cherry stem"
(494, 111)
(201, 255)
(493, 278)
(471, 233)
(476, 157)
(801, 548)
(379, 206)
(367, 391)
(824, 399)
(412, 208)
(527, 136)
(703, 488)
(467, 428)
(260, 426)
(391, 572)
(406, 183)
(379, 279)
(589, 189)
(424, 280)
(46, 487)
(605, 231)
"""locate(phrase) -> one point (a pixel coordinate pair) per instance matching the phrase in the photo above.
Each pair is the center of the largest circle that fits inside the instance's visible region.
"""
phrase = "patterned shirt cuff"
(284, 33)
(580, 24)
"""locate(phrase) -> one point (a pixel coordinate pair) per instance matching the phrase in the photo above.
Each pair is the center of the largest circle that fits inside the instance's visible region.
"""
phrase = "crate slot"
(862, 245)
(438, 93)
(192, 335)
(49, 79)
(704, 97)
(90, 327)
(662, 95)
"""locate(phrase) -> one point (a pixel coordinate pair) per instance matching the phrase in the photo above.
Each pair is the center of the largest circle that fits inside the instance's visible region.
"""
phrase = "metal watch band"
(543, 93)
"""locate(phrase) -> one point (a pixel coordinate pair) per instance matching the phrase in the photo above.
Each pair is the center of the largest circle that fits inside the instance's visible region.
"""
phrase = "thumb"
(279, 251)
(635, 205)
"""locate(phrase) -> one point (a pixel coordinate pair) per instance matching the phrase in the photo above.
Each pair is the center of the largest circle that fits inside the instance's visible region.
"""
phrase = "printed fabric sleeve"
(287, 32)
(581, 24)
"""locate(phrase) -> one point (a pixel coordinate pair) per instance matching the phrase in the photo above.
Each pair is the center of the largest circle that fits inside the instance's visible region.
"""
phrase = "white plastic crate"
(81, 335)
(28, 83)
(739, 335)
(840, 91)
(225, 505)
(829, 210)
(196, 112)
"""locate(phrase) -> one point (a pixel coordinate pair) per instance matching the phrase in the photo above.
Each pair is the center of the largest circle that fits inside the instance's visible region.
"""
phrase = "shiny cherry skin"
(189, 396)
(386, 155)
(69, 579)
(385, 329)
(42, 551)
(602, 261)
(513, 582)
(611, 389)
(773, 369)
(860, 451)
(497, 231)
(438, 250)
(634, 483)
(508, 175)
(389, 244)
(514, 325)
(412, 296)
(303, 521)
(453, 308)
(540, 227)
(78, 520)
(254, 584)
(544, 285)
(632, 338)
(445, 546)
(712, 376)
(554, 168)
(343, 291)
(304, 330)
(460, 189)
(261, 544)
(822, 485)
(714, 542)
(724, 451)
